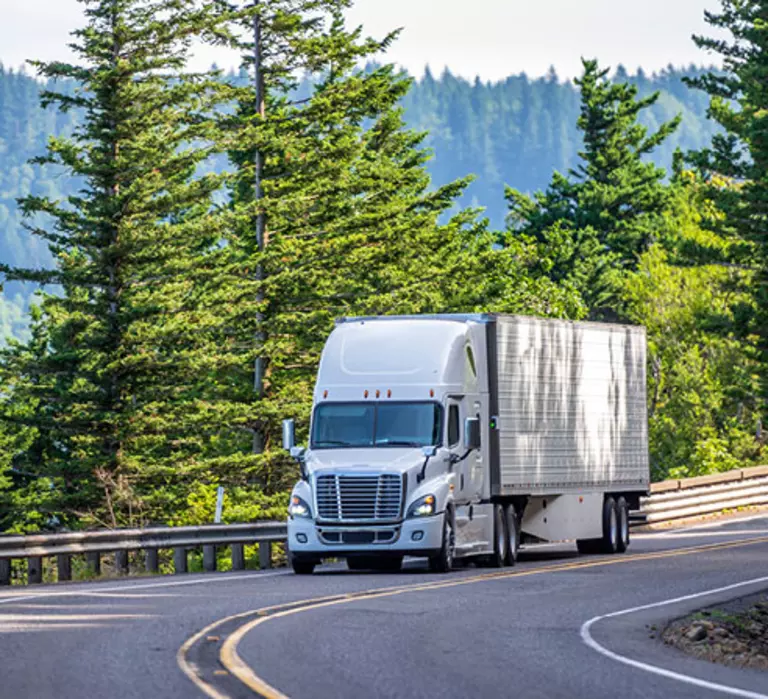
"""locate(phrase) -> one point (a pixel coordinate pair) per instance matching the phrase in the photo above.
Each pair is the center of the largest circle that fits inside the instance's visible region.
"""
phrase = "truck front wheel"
(443, 561)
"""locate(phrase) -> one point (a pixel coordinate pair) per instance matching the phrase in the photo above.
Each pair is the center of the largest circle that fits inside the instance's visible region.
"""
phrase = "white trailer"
(459, 436)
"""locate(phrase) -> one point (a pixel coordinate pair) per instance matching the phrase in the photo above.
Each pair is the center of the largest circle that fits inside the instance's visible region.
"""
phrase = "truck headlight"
(423, 507)
(298, 507)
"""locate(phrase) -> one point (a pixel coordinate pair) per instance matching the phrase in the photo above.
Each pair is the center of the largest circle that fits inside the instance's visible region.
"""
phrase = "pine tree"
(600, 218)
(119, 390)
(739, 155)
(342, 212)
(351, 226)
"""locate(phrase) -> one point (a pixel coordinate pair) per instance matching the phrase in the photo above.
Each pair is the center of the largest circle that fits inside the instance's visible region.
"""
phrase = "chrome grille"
(355, 498)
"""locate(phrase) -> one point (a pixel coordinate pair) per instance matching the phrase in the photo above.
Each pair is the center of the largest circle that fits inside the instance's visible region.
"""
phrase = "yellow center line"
(236, 666)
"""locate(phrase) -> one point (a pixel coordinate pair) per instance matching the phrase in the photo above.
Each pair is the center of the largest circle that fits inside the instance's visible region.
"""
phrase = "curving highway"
(555, 625)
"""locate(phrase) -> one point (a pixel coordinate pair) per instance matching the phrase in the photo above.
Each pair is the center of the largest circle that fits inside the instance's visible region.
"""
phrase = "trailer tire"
(513, 534)
(610, 541)
(443, 561)
(302, 567)
(622, 510)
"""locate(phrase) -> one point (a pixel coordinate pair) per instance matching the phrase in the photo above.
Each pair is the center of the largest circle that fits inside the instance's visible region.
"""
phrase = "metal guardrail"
(35, 547)
(669, 501)
(694, 497)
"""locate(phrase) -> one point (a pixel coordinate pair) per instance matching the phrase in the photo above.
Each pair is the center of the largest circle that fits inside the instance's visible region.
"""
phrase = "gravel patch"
(734, 634)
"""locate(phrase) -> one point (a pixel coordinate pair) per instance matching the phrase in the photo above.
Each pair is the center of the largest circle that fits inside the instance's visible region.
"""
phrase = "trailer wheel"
(443, 561)
(610, 540)
(622, 509)
(302, 567)
(513, 535)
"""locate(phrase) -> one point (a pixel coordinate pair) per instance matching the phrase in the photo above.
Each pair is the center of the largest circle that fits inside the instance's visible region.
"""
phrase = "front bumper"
(421, 536)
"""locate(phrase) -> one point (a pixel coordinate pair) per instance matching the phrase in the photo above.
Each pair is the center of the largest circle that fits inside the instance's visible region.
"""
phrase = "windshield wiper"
(396, 443)
(332, 443)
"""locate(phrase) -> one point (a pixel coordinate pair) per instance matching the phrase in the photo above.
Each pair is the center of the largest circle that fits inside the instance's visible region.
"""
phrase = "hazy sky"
(490, 38)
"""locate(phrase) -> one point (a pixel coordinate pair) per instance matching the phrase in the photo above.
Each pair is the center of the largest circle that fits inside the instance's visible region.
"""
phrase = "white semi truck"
(457, 436)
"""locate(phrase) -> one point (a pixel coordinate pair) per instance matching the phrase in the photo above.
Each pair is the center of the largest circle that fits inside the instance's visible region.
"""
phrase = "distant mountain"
(514, 132)
(519, 130)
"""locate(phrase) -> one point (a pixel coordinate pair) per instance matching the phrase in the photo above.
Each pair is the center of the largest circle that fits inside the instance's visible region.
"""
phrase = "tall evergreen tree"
(599, 218)
(739, 104)
(118, 389)
(350, 223)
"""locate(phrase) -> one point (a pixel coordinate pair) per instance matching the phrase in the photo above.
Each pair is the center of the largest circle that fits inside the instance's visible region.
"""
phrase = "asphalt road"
(556, 625)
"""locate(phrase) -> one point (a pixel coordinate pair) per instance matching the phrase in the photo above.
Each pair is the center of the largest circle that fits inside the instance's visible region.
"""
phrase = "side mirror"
(429, 451)
(289, 435)
(297, 453)
(472, 433)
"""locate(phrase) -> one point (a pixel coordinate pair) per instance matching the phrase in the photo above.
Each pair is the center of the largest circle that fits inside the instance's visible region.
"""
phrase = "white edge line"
(80, 592)
(586, 636)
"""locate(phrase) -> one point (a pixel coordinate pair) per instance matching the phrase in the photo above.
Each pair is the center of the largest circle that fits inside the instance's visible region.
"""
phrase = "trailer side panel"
(571, 407)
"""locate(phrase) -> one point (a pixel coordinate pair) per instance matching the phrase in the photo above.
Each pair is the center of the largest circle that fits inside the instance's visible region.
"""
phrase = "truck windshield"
(345, 425)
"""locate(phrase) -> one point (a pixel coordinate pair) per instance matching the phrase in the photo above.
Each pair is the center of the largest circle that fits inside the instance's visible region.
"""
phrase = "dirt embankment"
(734, 634)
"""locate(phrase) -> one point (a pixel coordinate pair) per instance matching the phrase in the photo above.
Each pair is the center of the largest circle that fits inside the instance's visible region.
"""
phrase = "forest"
(145, 272)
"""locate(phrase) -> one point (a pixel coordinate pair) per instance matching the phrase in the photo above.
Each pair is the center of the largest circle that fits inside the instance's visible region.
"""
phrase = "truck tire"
(302, 566)
(610, 541)
(443, 561)
(513, 534)
(622, 510)
(500, 539)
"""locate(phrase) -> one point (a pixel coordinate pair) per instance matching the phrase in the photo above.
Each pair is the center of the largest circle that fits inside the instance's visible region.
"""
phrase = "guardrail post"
(93, 561)
(265, 554)
(5, 571)
(64, 567)
(238, 557)
(121, 562)
(180, 560)
(34, 570)
(152, 561)
(209, 558)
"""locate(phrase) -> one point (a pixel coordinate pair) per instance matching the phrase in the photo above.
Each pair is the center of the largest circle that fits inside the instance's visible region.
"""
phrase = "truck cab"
(396, 448)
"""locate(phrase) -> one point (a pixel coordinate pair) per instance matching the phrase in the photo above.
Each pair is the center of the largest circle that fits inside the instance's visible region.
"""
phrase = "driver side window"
(453, 425)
